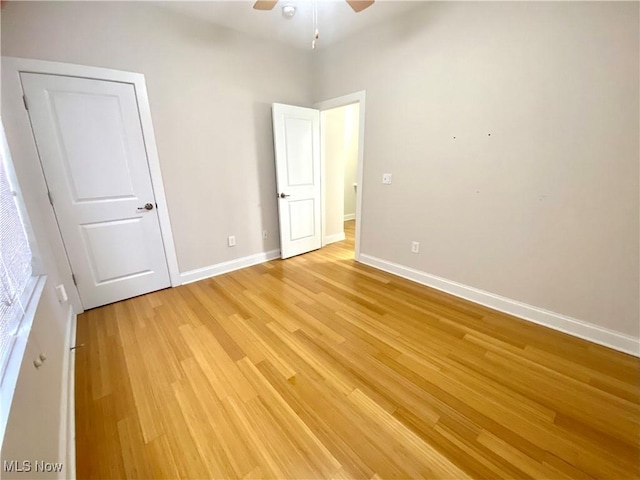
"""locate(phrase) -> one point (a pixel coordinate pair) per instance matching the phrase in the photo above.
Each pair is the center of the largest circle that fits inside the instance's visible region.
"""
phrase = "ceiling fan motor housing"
(288, 11)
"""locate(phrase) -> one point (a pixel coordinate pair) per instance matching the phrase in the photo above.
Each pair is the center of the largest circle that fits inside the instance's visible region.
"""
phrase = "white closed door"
(92, 150)
(296, 132)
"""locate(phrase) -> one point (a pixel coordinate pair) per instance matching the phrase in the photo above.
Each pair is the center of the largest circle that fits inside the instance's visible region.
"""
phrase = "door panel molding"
(296, 133)
(96, 147)
(22, 144)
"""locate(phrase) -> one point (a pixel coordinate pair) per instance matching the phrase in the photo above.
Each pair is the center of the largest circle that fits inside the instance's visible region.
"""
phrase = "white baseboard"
(587, 331)
(67, 434)
(225, 267)
(336, 237)
(349, 216)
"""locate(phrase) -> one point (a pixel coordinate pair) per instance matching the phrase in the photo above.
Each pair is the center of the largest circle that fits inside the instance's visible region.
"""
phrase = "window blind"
(15, 264)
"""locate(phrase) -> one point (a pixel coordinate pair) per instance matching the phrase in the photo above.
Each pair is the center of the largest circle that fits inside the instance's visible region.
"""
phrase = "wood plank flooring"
(320, 367)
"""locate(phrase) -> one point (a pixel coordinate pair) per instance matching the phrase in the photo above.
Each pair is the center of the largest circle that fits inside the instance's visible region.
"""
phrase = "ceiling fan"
(357, 5)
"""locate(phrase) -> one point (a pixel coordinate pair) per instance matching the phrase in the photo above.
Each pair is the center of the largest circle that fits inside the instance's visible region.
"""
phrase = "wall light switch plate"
(61, 293)
(386, 178)
(232, 240)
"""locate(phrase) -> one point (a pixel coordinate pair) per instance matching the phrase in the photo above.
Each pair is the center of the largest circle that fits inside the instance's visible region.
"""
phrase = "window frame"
(10, 366)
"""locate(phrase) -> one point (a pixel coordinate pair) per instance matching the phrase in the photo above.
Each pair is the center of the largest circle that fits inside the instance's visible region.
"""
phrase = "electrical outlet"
(264, 234)
(415, 247)
(232, 240)
(386, 178)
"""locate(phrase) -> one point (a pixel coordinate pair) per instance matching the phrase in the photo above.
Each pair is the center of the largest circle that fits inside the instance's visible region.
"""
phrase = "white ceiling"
(336, 20)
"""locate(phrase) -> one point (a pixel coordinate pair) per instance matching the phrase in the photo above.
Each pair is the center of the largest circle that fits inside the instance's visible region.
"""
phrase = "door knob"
(147, 206)
(284, 195)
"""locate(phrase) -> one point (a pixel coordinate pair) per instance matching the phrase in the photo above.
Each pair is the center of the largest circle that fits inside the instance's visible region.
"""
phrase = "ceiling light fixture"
(288, 11)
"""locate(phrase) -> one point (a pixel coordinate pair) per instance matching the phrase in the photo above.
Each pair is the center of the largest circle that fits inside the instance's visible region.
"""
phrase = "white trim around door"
(30, 175)
(357, 97)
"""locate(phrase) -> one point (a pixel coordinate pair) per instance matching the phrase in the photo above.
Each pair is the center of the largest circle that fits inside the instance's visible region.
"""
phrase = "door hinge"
(24, 99)
(50, 198)
(73, 277)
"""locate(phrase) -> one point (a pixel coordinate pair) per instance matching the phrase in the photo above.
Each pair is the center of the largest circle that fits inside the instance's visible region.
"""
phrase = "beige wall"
(210, 91)
(543, 211)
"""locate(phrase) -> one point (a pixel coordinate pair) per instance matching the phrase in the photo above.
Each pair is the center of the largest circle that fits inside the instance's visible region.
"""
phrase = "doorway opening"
(319, 165)
(339, 137)
(342, 142)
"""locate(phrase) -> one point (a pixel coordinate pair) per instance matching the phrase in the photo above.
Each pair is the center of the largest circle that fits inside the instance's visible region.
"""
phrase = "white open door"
(92, 150)
(296, 132)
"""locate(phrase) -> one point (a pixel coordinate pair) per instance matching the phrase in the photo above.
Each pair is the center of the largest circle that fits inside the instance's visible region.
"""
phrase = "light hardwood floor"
(319, 367)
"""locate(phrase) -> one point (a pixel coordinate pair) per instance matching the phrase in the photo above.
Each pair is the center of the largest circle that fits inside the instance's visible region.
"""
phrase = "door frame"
(349, 99)
(29, 170)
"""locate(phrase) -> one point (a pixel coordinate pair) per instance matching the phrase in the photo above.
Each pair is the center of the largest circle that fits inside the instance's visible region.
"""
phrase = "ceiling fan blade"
(265, 4)
(359, 5)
